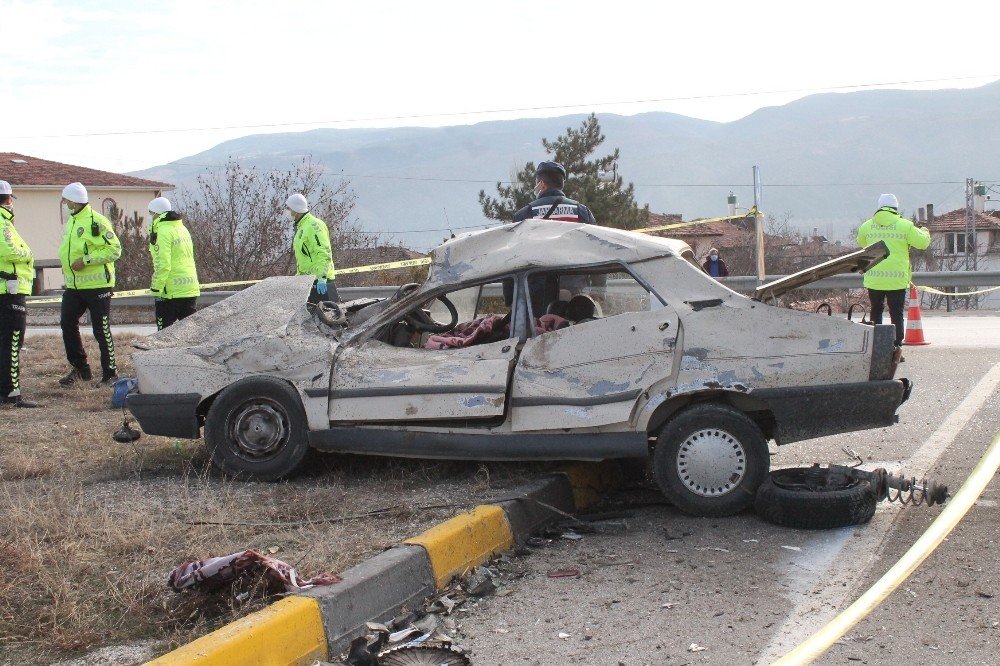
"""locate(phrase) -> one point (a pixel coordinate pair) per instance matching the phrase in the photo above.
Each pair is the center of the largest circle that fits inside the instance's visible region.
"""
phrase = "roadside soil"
(91, 528)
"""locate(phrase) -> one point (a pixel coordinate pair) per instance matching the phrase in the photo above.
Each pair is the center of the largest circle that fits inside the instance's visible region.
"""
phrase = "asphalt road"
(747, 591)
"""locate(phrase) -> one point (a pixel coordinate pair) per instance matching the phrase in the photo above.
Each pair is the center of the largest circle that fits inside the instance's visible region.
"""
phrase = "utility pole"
(758, 224)
(970, 223)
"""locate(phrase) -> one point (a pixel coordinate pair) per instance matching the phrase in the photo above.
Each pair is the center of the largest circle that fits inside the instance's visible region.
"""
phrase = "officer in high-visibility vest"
(88, 253)
(888, 280)
(313, 254)
(17, 272)
(175, 284)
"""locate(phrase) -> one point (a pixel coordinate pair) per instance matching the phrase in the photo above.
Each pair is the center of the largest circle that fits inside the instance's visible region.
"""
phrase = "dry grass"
(91, 528)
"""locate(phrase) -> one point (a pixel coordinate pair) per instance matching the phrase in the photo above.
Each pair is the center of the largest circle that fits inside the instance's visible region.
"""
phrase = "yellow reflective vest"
(311, 243)
(15, 255)
(89, 236)
(174, 271)
(899, 235)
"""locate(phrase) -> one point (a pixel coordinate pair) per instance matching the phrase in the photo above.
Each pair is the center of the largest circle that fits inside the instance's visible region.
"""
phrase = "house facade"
(951, 244)
(38, 210)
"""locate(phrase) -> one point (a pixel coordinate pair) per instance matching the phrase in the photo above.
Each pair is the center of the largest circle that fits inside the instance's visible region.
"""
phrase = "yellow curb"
(468, 539)
(287, 632)
(590, 480)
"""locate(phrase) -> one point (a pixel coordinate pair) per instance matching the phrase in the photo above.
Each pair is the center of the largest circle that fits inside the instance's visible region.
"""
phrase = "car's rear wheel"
(256, 429)
(710, 459)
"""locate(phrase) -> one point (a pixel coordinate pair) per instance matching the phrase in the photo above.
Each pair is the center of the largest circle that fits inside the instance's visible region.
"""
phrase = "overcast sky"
(124, 75)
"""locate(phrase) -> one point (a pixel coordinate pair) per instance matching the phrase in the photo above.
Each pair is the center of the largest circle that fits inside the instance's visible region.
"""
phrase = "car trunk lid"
(855, 262)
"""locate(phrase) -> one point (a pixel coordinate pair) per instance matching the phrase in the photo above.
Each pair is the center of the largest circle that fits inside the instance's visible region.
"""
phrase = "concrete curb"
(379, 588)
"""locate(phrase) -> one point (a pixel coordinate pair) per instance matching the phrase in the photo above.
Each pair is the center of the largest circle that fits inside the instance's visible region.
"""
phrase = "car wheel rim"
(711, 462)
(259, 430)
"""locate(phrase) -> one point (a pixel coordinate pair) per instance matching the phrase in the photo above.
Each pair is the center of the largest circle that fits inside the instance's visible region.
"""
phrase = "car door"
(591, 374)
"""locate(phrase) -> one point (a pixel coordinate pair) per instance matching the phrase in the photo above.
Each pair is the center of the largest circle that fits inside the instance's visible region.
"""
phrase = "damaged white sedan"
(539, 340)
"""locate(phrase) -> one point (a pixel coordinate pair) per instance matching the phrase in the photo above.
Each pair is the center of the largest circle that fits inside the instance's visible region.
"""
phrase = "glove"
(12, 286)
(321, 287)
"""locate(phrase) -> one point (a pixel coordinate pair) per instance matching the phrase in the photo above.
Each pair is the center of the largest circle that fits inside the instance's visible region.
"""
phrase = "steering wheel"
(421, 321)
(405, 290)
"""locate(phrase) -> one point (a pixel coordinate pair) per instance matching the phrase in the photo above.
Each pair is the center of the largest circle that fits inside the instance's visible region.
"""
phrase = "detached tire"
(786, 499)
(709, 460)
(256, 429)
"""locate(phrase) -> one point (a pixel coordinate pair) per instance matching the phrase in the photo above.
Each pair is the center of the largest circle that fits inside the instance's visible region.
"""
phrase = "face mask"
(539, 187)
(715, 257)
(69, 211)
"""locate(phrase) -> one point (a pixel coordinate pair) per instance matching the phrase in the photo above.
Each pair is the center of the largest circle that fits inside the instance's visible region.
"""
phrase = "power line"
(448, 114)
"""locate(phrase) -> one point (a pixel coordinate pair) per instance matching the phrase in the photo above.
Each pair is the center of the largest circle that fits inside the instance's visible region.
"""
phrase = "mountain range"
(824, 159)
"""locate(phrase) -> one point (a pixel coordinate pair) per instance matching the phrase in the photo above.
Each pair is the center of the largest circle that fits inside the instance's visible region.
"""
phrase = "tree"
(612, 203)
(237, 219)
(134, 268)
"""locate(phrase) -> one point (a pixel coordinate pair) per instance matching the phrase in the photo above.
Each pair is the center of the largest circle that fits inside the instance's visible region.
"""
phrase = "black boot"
(82, 374)
(18, 401)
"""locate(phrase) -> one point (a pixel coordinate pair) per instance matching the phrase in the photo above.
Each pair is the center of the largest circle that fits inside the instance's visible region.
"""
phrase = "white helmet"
(159, 206)
(298, 203)
(888, 200)
(75, 192)
(5, 188)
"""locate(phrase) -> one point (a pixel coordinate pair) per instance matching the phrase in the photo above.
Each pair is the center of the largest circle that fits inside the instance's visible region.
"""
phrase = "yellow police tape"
(406, 263)
(931, 290)
(663, 227)
(957, 507)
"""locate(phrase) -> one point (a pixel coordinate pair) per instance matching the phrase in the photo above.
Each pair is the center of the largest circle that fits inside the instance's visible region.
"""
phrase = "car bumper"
(169, 415)
(805, 412)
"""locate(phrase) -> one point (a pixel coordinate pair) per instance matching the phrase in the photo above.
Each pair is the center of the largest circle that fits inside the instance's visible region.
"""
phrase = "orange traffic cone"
(914, 327)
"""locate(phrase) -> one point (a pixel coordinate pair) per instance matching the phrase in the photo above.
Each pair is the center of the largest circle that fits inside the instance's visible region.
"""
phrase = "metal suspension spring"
(910, 492)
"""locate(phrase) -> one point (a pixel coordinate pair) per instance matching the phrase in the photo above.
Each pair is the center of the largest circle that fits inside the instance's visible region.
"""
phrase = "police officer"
(88, 253)
(888, 280)
(175, 284)
(17, 272)
(552, 203)
(313, 254)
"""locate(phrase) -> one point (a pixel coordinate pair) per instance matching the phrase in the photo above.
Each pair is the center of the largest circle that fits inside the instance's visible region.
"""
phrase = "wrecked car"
(539, 340)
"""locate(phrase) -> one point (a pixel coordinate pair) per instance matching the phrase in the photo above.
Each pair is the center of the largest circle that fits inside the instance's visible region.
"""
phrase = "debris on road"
(694, 647)
(217, 572)
(564, 573)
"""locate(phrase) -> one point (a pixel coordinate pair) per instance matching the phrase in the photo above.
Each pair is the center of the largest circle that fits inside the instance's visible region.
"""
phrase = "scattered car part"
(837, 496)
(217, 572)
(328, 312)
(126, 434)
(814, 498)
(709, 460)
(424, 655)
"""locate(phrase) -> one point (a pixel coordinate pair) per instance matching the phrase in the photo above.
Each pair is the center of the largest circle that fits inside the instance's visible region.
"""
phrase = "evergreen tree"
(612, 203)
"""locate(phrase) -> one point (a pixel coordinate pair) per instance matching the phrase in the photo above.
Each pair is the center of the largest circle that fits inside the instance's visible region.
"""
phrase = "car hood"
(855, 262)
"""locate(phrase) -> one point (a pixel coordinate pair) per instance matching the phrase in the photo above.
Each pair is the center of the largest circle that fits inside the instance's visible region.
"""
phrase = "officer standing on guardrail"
(17, 272)
(313, 254)
(88, 253)
(888, 280)
(174, 283)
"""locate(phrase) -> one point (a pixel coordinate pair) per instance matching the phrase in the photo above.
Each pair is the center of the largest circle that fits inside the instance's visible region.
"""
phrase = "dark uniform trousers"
(172, 310)
(331, 293)
(896, 299)
(98, 302)
(13, 321)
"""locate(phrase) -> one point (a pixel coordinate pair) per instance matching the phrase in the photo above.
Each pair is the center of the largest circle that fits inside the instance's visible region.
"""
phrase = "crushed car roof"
(538, 243)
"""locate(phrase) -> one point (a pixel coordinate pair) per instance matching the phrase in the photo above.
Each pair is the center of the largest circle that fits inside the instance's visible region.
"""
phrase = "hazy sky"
(103, 84)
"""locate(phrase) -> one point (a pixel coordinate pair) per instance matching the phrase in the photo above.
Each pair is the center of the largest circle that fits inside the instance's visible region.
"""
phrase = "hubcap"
(260, 429)
(711, 462)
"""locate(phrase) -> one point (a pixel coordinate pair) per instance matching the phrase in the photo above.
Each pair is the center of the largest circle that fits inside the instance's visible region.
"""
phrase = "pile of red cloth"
(477, 330)
(216, 572)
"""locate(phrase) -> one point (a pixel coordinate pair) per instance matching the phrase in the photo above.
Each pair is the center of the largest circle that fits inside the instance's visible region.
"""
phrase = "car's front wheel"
(256, 429)
(710, 459)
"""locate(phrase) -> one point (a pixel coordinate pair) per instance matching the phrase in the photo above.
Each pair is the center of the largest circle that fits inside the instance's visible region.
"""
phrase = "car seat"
(581, 308)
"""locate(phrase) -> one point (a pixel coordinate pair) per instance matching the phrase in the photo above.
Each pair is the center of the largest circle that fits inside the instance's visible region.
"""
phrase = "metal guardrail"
(743, 283)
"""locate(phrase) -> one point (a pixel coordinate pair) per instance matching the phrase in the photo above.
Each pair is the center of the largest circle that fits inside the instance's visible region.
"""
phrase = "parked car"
(539, 340)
